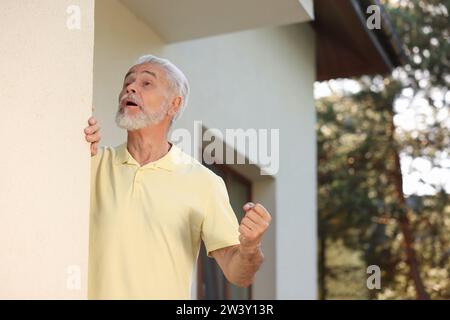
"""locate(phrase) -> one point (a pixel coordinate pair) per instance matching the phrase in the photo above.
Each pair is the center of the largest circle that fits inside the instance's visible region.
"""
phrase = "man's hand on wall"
(92, 135)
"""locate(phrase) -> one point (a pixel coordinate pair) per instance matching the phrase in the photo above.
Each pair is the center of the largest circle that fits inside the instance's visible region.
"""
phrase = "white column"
(46, 65)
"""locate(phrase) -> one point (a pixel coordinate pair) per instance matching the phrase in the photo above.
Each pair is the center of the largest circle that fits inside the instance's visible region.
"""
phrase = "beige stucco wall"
(259, 79)
(46, 97)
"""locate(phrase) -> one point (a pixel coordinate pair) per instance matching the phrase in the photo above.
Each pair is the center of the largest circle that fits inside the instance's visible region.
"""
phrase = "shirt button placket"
(137, 180)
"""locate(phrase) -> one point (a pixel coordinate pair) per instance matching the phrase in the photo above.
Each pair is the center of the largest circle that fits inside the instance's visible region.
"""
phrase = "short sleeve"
(220, 226)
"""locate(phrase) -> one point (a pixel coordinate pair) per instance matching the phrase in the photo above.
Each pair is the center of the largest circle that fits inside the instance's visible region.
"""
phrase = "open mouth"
(131, 104)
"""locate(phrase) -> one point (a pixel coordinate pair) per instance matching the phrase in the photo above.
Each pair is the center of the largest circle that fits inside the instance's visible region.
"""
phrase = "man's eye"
(147, 83)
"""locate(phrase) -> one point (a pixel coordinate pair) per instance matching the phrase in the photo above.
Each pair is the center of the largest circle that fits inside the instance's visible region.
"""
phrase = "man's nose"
(131, 88)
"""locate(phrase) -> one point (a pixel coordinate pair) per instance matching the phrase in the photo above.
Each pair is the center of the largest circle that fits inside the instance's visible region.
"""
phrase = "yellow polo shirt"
(146, 224)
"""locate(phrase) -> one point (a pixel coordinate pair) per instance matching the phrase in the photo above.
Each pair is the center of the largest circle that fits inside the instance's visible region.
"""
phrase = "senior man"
(152, 204)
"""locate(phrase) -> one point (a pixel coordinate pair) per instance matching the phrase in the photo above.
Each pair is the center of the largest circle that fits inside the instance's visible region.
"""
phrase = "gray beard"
(142, 120)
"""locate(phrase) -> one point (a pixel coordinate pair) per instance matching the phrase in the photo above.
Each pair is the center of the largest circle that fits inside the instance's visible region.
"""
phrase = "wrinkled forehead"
(153, 70)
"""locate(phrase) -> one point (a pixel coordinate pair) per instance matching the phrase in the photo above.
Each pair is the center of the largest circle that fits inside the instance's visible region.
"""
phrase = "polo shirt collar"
(167, 162)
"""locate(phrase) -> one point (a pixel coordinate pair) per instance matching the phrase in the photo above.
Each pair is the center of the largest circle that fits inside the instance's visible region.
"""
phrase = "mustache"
(132, 98)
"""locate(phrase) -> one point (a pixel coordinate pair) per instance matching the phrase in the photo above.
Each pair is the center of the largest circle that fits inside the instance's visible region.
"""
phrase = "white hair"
(176, 78)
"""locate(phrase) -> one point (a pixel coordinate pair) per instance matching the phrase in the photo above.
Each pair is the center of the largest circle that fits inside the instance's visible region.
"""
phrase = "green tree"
(361, 196)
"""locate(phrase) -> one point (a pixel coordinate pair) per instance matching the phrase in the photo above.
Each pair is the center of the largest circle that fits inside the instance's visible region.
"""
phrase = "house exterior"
(251, 66)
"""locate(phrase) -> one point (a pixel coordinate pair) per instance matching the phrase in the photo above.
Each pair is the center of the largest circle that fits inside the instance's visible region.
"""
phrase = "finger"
(256, 218)
(92, 129)
(247, 236)
(248, 206)
(92, 121)
(263, 213)
(250, 224)
(96, 137)
(94, 148)
(93, 137)
(244, 230)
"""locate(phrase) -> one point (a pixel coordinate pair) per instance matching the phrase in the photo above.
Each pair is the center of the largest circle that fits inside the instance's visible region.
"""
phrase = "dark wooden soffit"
(345, 47)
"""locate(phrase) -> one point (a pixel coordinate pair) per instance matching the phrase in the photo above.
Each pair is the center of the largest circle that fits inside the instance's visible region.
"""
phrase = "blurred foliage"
(361, 211)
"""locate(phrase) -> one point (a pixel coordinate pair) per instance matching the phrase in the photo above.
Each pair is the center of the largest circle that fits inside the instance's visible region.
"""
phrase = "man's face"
(144, 98)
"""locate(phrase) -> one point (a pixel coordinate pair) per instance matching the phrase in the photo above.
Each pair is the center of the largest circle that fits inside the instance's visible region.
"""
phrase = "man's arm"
(239, 263)
(238, 267)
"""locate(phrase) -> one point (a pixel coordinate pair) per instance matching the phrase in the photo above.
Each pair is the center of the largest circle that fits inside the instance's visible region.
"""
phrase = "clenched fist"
(253, 225)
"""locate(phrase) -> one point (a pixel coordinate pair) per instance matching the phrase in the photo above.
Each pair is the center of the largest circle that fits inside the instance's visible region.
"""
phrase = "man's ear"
(175, 106)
